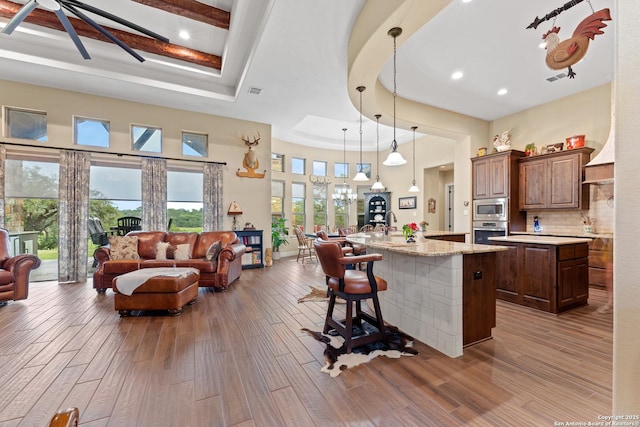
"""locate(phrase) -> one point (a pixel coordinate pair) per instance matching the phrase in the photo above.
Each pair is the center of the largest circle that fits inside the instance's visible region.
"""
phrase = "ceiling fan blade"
(117, 19)
(72, 33)
(102, 31)
(19, 17)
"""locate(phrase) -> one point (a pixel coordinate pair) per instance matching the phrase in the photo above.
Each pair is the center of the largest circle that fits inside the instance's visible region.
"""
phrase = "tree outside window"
(297, 204)
(319, 205)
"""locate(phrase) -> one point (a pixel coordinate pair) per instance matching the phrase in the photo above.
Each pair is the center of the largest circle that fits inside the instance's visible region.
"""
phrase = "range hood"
(600, 169)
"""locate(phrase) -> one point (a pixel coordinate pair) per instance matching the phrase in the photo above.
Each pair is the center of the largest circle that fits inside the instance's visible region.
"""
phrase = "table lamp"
(234, 211)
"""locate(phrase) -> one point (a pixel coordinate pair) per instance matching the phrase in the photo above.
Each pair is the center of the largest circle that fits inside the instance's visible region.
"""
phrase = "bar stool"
(353, 286)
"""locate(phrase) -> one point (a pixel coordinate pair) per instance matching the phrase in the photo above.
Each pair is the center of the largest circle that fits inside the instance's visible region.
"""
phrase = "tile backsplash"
(571, 222)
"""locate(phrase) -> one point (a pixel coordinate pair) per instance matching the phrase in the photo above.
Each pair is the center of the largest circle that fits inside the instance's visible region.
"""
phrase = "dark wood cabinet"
(496, 175)
(376, 206)
(478, 297)
(600, 262)
(554, 181)
(551, 278)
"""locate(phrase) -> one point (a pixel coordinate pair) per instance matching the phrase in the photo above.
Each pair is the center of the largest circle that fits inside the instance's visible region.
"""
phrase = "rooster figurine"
(561, 54)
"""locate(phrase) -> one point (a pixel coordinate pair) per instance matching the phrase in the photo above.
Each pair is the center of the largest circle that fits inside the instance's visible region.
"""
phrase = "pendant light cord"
(360, 168)
(413, 128)
(344, 157)
(378, 146)
(395, 144)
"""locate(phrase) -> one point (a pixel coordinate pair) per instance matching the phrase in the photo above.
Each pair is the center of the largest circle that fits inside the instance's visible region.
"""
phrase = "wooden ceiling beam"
(192, 9)
(146, 44)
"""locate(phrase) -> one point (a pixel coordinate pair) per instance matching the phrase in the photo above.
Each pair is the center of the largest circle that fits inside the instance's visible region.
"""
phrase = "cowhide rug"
(318, 294)
(398, 344)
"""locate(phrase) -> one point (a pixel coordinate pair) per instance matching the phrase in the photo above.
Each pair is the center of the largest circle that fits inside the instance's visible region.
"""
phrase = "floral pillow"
(182, 252)
(214, 251)
(124, 247)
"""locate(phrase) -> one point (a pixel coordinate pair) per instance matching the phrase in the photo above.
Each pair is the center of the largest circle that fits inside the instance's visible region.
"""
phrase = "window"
(341, 170)
(120, 187)
(366, 168)
(31, 201)
(319, 204)
(277, 162)
(319, 168)
(91, 132)
(297, 204)
(195, 144)
(146, 138)
(184, 200)
(297, 166)
(277, 199)
(26, 124)
(341, 208)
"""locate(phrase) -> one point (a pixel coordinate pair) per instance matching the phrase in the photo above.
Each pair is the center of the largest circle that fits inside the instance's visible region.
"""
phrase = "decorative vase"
(411, 238)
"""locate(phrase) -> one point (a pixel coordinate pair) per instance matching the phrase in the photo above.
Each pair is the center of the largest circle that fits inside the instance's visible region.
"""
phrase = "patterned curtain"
(213, 209)
(154, 194)
(3, 158)
(73, 216)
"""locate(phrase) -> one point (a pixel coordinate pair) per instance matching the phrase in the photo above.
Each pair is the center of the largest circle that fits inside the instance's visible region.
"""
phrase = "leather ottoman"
(162, 290)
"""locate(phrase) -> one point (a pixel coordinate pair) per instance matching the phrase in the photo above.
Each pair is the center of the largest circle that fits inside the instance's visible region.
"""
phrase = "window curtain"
(73, 216)
(212, 197)
(154, 194)
(3, 158)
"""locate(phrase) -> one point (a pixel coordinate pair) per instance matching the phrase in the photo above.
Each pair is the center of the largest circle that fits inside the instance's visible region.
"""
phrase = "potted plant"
(279, 234)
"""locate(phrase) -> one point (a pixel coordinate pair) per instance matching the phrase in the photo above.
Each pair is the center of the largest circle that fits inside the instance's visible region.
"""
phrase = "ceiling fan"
(73, 6)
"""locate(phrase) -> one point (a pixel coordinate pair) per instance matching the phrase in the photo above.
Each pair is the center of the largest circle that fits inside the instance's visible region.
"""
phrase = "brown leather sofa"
(218, 274)
(14, 271)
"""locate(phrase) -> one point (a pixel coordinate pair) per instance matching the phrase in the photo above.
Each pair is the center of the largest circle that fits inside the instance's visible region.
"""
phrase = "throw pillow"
(171, 251)
(214, 251)
(161, 250)
(124, 247)
(182, 252)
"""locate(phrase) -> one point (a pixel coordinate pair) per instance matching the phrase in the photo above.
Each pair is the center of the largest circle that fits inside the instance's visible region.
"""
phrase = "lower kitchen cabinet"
(551, 278)
(600, 259)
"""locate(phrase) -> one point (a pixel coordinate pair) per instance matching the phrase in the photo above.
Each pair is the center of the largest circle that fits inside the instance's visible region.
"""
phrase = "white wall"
(626, 317)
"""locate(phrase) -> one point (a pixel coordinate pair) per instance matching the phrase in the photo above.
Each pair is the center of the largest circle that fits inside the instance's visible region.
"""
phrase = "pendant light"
(377, 186)
(344, 193)
(394, 158)
(360, 176)
(414, 188)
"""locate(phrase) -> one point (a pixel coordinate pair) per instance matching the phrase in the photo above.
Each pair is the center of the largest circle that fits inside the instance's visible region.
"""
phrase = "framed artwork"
(407, 202)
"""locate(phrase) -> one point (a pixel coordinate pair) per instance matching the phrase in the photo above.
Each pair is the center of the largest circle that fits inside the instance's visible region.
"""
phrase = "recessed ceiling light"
(457, 75)
(466, 1)
(503, 91)
(184, 35)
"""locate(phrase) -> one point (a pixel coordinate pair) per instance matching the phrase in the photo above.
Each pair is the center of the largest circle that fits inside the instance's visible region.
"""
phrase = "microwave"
(491, 209)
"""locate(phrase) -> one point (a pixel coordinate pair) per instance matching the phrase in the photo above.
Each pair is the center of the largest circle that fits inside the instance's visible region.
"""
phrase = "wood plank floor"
(238, 358)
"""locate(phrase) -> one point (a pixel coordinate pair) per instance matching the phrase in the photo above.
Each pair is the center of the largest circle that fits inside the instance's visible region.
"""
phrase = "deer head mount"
(250, 162)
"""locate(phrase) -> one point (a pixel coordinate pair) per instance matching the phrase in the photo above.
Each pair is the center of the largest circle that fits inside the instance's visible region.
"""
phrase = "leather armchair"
(14, 271)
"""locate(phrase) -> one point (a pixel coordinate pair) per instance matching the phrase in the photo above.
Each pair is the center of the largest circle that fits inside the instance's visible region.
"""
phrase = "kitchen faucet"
(387, 220)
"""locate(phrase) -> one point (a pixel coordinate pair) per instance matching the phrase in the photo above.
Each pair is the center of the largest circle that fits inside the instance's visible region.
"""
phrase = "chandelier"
(343, 192)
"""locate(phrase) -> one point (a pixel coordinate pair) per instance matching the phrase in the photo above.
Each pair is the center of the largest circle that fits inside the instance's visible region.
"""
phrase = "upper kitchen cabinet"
(554, 181)
(496, 175)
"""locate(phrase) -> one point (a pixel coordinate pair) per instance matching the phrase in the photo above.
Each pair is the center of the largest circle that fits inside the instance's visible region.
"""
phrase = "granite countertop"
(422, 246)
(568, 234)
(540, 240)
(431, 233)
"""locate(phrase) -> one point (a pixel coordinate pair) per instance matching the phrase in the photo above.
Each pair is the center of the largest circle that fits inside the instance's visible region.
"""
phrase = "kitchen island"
(548, 273)
(440, 292)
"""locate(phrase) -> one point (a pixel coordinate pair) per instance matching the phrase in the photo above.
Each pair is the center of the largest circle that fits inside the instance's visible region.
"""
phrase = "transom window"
(195, 144)
(319, 168)
(146, 138)
(277, 162)
(341, 170)
(26, 124)
(297, 166)
(92, 132)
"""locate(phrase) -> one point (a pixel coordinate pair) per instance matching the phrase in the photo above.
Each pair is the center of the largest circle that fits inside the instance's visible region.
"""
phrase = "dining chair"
(127, 224)
(305, 246)
(353, 286)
